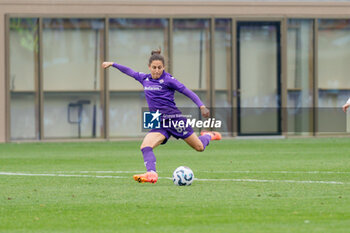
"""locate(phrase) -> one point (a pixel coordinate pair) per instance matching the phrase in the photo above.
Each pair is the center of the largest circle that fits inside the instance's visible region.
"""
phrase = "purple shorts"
(173, 127)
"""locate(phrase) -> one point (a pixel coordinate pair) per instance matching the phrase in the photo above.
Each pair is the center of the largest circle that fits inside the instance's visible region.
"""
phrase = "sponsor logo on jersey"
(153, 88)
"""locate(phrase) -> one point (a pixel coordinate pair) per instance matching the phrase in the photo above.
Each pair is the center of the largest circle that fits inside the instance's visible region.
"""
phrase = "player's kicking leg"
(200, 143)
(213, 134)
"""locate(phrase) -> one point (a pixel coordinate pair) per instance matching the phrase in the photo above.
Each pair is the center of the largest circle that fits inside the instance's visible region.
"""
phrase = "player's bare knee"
(199, 148)
(145, 145)
(152, 145)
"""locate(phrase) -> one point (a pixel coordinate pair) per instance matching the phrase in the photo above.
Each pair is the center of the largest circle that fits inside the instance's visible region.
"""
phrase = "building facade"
(264, 68)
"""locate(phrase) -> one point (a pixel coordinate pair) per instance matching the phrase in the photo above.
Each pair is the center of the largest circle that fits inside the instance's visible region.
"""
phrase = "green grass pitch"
(289, 185)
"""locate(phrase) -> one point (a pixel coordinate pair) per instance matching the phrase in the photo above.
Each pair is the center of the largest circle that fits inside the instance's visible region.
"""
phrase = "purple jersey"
(160, 92)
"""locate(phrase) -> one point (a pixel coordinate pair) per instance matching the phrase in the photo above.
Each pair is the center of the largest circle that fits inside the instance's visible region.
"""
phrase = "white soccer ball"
(183, 176)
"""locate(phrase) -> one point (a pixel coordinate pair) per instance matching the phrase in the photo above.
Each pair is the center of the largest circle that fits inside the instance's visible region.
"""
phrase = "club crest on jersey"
(161, 81)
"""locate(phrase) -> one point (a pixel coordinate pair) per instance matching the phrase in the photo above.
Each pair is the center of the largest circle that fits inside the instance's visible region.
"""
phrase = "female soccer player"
(346, 105)
(159, 88)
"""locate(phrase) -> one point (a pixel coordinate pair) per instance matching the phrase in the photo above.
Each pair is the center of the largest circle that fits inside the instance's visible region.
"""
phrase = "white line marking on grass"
(101, 172)
(280, 172)
(169, 178)
(60, 175)
(277, 181)
(262, 172)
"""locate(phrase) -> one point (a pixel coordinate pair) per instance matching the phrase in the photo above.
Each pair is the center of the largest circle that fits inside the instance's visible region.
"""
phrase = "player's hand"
(106, 64)
(346, 106)
(205, 112)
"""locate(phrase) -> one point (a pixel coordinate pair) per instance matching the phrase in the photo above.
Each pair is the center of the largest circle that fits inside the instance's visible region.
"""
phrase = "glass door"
(258, 78)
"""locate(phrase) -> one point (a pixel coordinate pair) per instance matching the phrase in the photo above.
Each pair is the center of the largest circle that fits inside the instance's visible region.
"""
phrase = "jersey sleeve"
(130, 72)
(175, 84)
(178, 86)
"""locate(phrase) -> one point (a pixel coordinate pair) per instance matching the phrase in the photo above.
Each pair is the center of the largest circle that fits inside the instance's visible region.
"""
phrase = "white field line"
(100, 172)
(280, 172)
(214, 172)
(59, 175)
(233, 180)
(277, 181)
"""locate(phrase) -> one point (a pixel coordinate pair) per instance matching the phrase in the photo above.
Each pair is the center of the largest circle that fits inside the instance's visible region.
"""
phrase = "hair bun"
(158, 51)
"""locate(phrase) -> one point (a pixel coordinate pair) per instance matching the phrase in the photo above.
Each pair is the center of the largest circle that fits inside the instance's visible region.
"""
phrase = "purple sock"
(149, 158)
(205, 139)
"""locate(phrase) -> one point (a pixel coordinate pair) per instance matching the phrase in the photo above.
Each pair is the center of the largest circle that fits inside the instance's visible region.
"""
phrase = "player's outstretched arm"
(175, 84)
(126, 70)
(204, 111)
(346, 105)
(194, 97)
(106, 64)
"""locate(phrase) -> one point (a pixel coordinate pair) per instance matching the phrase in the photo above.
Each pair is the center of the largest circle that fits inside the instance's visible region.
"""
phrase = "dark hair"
(155, 56)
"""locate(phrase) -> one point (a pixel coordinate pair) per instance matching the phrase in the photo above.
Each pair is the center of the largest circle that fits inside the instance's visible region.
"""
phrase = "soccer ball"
(183, 176)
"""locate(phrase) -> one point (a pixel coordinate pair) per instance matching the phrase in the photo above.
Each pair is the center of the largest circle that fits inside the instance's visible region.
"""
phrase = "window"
(23, 78)
(300, 75)
(72, 77)
(333, 73)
